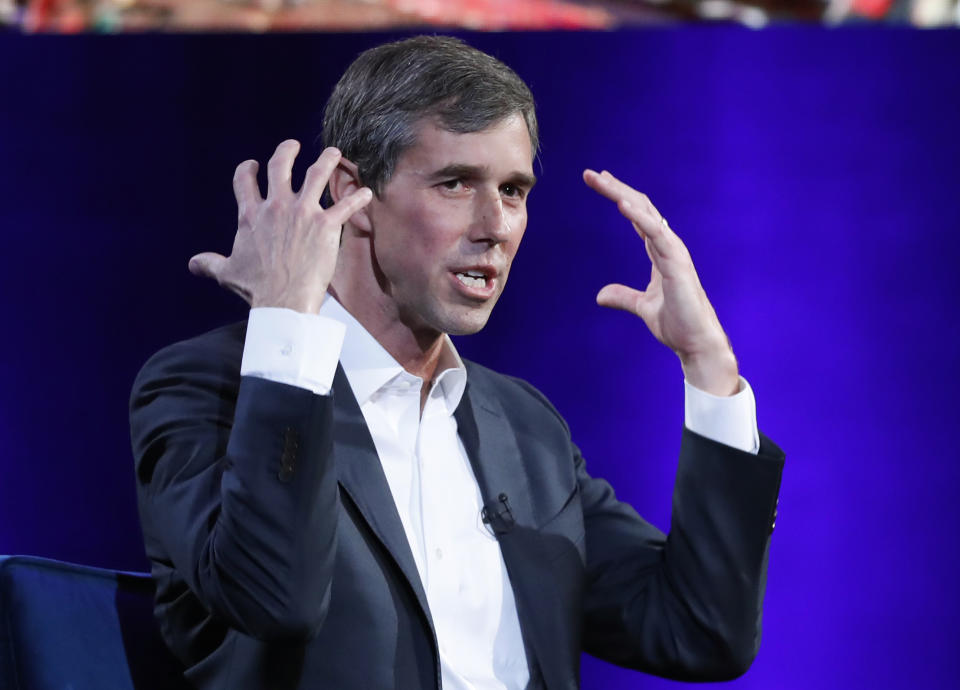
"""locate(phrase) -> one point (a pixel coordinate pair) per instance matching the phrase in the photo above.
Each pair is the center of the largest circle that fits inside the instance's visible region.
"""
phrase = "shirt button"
(286, 350)
(439, 554)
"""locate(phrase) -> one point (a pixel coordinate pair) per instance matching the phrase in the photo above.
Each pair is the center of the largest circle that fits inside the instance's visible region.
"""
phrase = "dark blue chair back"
(72, 627)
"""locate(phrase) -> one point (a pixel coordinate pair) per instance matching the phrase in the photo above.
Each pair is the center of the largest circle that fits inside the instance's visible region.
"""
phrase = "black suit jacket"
(281, 562)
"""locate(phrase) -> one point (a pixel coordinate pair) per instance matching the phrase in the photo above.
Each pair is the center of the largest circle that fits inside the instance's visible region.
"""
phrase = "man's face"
(448, 223)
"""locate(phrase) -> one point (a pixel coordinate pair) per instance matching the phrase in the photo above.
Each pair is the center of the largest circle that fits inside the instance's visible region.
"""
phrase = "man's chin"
(452, 320)
(467, 323)
(470, 330)
(467, 327)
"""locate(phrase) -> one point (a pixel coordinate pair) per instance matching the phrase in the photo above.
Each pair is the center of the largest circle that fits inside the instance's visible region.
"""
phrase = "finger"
(600, 184)
(609, 186)
(661, 241)
(648, 246)
(597, 183)
(318, 175)
(280, 168)
(652, 230)
(634, 205)
(350, 204)
(207, 265)
(617, 296)
(245, 187)
(606, 184)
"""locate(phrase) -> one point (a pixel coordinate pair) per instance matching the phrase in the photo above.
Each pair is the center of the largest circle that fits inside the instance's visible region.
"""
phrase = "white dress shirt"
(431, 479)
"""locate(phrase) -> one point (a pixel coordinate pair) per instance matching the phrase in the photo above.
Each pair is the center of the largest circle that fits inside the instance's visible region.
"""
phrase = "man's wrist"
(715, 373)
(304, 304)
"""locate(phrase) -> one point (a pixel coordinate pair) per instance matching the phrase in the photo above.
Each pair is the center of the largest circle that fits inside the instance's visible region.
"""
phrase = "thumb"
(207, 265)
(616, 296)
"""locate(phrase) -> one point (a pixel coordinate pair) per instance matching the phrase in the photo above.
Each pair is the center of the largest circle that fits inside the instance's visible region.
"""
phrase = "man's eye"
(452, 185)
(511, 190)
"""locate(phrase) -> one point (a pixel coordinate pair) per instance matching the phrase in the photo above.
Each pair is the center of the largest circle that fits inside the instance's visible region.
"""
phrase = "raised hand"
(674, 305)
(285, 250)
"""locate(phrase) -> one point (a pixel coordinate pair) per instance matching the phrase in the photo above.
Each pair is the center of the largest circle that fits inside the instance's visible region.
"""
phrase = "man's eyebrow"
(472, 172)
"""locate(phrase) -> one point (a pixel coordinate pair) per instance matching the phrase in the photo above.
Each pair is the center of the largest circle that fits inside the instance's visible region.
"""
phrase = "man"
(332, 498)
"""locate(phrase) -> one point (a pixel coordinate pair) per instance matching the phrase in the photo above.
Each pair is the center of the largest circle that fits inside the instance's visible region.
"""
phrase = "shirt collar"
(370, 368)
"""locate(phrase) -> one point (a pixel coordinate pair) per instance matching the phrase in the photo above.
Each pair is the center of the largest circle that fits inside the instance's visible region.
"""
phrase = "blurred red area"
(69, 16)
(505, 14)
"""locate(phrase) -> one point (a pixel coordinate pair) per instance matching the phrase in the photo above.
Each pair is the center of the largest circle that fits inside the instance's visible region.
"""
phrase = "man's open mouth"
(476, 279)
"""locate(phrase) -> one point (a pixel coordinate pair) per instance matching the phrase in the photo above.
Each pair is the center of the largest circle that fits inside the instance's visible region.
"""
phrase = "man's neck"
(419, 352)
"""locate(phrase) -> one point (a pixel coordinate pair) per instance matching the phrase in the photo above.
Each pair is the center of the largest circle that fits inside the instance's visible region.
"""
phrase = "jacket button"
(289, 456)
(286, 469)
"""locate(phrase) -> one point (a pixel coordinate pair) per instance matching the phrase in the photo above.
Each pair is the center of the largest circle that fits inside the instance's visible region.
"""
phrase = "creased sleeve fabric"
(236, 492)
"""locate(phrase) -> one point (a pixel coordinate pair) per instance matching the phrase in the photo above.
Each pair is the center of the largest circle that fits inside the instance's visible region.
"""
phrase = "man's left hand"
(674, 305)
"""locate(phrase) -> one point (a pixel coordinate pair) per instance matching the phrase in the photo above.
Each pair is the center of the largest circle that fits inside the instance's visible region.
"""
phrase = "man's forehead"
(505, 143)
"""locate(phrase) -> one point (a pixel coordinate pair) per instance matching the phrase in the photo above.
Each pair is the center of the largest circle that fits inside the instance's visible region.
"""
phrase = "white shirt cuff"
(731, 420)
(291, 347)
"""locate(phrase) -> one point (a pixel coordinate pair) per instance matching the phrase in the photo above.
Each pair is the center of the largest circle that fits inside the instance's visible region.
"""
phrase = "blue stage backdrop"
(812, 173)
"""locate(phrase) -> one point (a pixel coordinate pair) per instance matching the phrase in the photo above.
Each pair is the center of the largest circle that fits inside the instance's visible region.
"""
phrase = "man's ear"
(344, 181)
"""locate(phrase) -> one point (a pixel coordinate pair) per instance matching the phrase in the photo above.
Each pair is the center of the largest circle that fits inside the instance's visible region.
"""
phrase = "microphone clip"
(497, 516)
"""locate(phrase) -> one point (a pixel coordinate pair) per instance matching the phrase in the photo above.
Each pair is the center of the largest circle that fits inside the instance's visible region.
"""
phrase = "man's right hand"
(285, 250)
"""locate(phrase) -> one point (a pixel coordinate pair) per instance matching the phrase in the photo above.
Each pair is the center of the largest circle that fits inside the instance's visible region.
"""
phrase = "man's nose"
(491, 223)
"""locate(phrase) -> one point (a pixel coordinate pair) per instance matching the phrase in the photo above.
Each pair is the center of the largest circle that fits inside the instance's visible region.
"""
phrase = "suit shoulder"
(216, 353)
(190, 384)
(515, 393)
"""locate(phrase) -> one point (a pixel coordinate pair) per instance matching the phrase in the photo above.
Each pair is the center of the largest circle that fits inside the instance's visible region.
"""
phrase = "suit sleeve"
(236, 489)
(686, 605)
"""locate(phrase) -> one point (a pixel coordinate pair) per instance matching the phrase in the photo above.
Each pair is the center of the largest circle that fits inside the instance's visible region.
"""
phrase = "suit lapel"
(494, 455)
(361, 476)
(500, 468)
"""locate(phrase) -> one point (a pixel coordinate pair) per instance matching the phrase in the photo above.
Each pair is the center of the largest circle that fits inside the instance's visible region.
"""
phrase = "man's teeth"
(472, 279)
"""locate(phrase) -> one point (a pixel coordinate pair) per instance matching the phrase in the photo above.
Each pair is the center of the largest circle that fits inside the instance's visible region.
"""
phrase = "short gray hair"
(374, 110)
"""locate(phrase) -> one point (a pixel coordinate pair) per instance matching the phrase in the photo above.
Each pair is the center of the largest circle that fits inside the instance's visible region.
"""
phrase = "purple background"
(813, 174)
